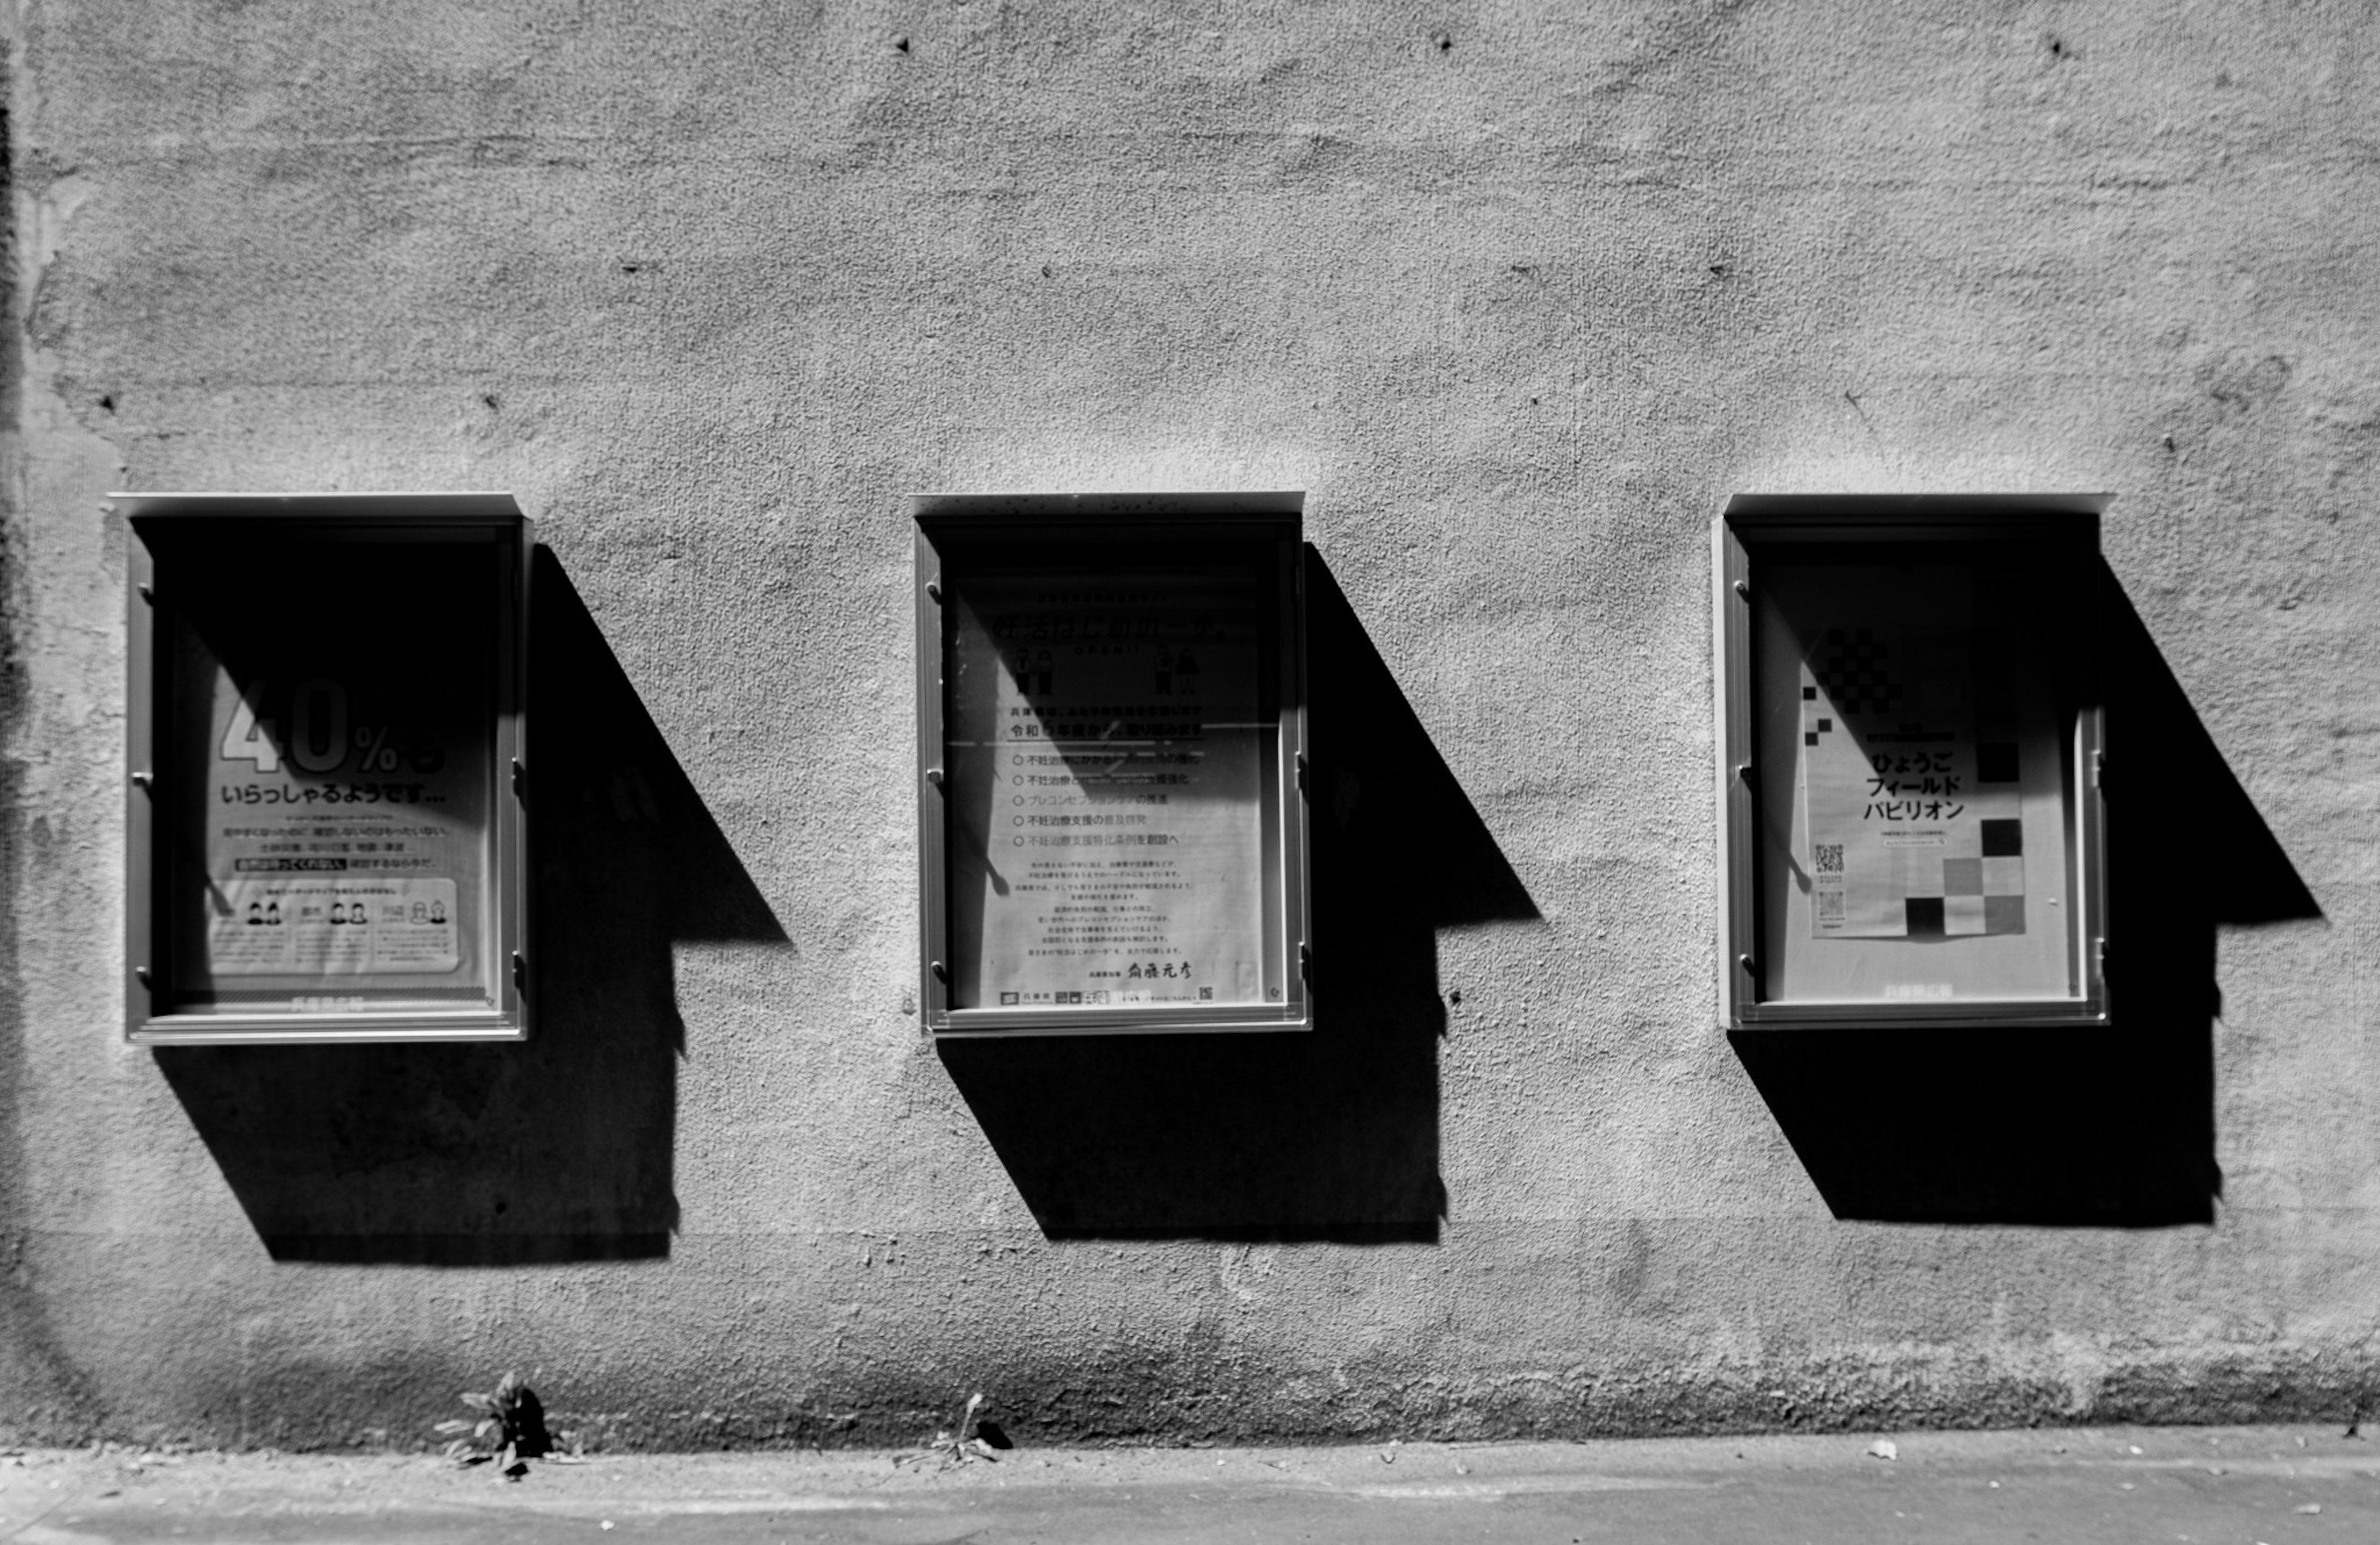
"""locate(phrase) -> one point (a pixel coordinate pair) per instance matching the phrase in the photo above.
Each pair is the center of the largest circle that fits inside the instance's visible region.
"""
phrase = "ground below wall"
(2135, 1483)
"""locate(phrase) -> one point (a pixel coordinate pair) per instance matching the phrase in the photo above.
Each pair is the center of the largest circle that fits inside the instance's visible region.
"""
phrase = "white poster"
(1912, 770)
(332, 743)
(1105, 772)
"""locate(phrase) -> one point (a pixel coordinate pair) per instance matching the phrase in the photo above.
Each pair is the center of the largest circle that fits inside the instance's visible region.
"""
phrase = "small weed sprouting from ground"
(963, 1442)
(510, 1431)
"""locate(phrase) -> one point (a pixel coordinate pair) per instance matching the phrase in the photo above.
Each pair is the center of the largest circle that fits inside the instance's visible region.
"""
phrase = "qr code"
(1830, 858)
(1830, 907)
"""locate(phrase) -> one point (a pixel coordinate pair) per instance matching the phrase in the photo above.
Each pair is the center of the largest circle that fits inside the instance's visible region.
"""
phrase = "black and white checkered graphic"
(1853, 671)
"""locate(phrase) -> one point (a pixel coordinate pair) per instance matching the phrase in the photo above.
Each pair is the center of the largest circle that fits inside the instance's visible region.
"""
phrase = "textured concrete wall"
(1519, 293)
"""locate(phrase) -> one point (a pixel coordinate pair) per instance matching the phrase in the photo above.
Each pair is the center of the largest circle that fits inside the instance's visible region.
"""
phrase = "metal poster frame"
(2059, 536)
(155, 1013)
(960, 537)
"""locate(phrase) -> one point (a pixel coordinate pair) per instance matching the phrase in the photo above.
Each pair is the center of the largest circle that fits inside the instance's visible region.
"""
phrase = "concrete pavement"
(2280, 1486)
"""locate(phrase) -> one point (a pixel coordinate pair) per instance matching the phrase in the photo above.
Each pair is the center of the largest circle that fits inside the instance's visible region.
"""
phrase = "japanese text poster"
(334, 736)
(1107, 775)
(1911, 767)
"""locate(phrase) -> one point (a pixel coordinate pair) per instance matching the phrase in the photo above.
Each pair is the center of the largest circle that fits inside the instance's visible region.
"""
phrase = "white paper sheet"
(1106, 750)
(1912, 806)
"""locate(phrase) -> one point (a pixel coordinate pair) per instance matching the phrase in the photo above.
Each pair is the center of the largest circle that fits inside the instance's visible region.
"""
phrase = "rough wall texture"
(1519, 293)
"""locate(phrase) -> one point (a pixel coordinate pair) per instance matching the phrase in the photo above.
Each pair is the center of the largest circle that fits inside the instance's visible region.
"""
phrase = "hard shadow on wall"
(557, 1150)
(2111, 1127)
(1326, 1134)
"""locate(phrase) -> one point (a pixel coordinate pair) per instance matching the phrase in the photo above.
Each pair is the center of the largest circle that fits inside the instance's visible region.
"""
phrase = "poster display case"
(325, 838)
(1911, 745)
(1110, 756)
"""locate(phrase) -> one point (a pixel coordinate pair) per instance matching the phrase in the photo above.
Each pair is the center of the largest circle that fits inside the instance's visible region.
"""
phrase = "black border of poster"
(152, 1014)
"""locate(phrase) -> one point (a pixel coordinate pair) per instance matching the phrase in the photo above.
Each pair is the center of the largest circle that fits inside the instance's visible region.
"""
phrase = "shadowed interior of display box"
(397, 641)
(1924, 843)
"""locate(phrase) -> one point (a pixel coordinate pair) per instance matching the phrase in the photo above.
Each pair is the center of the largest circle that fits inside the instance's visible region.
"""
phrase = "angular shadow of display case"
(1110, 758)
(325, 832)
(1910, 735)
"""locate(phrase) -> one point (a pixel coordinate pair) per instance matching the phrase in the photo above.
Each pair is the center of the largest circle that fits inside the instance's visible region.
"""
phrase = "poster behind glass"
(1110, 742)
(332, 745)
(1921, 849)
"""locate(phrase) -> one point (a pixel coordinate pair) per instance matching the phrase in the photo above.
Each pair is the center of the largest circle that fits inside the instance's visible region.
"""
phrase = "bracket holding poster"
(1110, 762)
(325, 839)
(1910, 735)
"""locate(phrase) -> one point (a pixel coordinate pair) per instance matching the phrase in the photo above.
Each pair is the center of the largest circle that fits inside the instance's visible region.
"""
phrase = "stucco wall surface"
(1519, 293)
